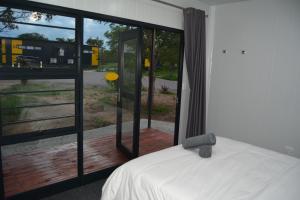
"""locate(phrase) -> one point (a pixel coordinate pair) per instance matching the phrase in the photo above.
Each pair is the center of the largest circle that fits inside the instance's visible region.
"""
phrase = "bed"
(236, 171)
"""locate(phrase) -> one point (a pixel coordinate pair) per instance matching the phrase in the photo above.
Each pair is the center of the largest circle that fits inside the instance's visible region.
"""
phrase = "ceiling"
(215, 2)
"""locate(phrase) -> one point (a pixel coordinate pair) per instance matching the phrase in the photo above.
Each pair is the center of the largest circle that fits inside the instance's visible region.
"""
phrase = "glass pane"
(147, 44)
(36, 105)
(127, 122)
(128, 85)
(165, 80)
(100, 76)
(128, 92)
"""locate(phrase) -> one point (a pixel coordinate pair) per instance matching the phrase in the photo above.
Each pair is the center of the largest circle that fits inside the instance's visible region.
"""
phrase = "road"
(97, 79)
(93, 78)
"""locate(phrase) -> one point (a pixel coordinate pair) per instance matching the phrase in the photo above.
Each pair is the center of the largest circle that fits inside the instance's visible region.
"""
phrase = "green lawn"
(165, 73)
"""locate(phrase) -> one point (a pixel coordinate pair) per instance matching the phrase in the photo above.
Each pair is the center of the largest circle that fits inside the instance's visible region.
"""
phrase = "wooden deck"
(26, 171)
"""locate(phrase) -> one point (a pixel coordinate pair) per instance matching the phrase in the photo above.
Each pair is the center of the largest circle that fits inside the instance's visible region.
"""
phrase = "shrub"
(164, 90)
(160, 109)
(100, 122)
(9, 108)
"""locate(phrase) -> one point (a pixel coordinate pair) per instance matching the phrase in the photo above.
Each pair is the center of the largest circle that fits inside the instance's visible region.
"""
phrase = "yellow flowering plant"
(111, 79)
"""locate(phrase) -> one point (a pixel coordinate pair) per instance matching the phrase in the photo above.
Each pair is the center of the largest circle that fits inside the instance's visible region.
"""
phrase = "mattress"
(236, 171)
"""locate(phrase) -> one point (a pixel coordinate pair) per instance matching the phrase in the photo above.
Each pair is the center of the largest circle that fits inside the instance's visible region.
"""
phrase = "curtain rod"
(171, 5)
(168, 4)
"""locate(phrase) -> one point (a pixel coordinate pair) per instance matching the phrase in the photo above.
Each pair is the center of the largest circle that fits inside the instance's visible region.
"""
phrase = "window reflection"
(36, 40)
(10, 15)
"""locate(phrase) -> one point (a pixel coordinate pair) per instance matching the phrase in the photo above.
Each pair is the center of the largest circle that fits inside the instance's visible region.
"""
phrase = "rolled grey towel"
(207, 139)
(205, 151)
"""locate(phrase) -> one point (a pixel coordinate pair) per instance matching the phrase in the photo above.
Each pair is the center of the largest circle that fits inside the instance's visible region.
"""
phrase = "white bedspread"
(236, 171)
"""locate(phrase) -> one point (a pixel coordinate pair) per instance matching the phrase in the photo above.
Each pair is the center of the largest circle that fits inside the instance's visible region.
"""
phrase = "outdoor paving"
(167, 127)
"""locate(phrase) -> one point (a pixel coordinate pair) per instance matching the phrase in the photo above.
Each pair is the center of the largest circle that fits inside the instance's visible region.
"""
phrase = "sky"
(92, 28)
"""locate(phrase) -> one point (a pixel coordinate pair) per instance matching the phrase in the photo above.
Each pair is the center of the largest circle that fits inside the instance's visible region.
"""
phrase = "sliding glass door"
(129, 87)
(111, 62)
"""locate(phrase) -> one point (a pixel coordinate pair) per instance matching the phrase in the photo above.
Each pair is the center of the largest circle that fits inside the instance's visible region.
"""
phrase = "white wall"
(255, 97)
(155, 13)
(140, 10)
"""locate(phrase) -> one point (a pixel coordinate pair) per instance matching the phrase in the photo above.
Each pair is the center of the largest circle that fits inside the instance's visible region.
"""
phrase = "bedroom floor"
(34, 169)
(87, 192)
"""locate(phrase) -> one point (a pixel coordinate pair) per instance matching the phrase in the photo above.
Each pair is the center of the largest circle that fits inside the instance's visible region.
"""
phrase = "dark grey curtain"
(194, 35)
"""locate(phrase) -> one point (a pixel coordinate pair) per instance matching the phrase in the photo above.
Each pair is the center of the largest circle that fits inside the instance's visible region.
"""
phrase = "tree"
(33, 36)
(65, 39)
(8, 16)
(167, 49)
(95, 42)
(113, 38)
(166, 45)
